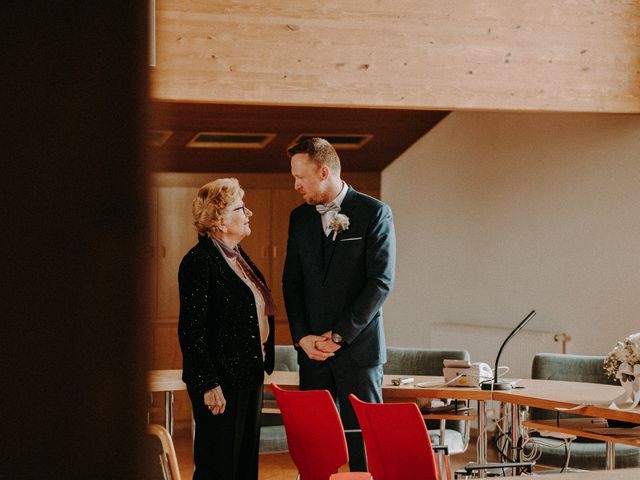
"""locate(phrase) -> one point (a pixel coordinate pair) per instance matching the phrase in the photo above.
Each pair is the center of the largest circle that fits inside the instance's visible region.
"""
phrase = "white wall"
(499, 213)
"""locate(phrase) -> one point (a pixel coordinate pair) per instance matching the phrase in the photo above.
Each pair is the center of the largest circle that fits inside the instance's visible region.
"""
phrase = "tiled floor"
(278, 466)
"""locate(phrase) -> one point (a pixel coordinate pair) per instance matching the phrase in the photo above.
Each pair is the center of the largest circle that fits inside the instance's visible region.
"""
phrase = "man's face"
(309, 179)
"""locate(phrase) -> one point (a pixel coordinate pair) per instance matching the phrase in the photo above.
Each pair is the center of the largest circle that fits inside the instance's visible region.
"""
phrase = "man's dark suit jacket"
(218, 327)
(342, 287)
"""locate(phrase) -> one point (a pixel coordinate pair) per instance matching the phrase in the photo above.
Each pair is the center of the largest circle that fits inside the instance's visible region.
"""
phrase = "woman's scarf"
(234, 253)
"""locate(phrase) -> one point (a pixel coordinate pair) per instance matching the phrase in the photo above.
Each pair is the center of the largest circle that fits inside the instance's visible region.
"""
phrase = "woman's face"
(237, 220)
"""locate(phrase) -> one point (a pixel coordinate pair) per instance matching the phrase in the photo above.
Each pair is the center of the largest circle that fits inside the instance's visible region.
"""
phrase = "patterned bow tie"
(329, 207)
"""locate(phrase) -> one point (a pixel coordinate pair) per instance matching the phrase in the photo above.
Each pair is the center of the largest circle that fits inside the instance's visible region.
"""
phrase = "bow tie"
(329, 207)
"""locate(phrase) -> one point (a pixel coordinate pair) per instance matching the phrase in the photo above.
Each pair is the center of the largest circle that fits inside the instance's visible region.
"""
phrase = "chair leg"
(442, 459)
(447, 466)
(436, 459)
(442, 463)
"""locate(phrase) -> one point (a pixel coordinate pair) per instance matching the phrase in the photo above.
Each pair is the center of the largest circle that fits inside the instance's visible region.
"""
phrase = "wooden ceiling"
(393, 132)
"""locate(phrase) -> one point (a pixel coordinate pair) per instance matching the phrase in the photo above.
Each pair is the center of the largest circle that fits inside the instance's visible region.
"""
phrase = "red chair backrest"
(314, 430)
(396, 440)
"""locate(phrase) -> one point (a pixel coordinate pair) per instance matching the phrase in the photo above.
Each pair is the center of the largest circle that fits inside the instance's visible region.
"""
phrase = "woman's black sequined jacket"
(218, 327)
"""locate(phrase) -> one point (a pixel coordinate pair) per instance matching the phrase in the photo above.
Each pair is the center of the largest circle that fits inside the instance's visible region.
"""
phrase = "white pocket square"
(350, 239)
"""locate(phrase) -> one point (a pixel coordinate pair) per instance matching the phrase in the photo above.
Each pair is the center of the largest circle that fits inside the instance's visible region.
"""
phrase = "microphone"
(495, 384)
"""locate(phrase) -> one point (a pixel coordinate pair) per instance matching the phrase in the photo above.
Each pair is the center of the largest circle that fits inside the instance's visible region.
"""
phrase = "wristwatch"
(337, 338)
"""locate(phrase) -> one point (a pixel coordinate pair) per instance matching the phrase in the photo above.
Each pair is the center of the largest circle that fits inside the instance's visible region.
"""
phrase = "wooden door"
(282, 202)
(176, 235)
(258, 244)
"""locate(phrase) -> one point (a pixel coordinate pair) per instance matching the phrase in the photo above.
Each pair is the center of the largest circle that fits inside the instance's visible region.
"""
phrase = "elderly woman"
(226, 335)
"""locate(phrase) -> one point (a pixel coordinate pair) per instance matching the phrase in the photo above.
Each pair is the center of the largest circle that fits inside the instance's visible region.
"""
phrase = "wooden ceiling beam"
(529, 55)
(393, 132)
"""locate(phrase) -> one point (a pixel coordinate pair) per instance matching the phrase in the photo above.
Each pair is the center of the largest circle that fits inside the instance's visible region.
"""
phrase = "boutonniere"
(340, 223)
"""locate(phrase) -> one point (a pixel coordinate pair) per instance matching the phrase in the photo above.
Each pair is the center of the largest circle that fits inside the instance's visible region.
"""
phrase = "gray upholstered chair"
(427, 361)
(586, 454)
(272, 435)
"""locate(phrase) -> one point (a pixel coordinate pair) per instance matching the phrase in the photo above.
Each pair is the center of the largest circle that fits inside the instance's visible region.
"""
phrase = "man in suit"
(338, 272)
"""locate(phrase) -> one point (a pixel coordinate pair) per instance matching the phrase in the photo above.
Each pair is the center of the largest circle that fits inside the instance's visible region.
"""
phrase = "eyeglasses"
(244, 210)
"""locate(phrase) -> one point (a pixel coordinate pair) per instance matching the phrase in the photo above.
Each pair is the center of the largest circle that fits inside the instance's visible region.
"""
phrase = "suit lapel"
(348, 206)
(310, 233)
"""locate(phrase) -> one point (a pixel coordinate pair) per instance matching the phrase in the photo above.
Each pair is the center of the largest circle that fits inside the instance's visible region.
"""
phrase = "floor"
(278, 466)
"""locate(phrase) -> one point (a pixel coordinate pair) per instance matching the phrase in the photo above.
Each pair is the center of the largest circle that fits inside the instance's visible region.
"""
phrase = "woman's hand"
(214, 400)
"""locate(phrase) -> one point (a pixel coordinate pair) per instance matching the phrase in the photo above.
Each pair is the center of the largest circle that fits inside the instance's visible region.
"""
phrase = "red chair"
(396, 441)
(315, 434)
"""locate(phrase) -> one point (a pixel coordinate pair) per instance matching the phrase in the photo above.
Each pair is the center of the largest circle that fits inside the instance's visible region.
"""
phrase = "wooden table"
(622, 474)
(592, 398)
(167, 381)
(550, 394)
(546, 394)
(171, 380)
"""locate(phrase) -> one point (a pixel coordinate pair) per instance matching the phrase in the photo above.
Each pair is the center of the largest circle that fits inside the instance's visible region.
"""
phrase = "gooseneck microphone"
(495, 384)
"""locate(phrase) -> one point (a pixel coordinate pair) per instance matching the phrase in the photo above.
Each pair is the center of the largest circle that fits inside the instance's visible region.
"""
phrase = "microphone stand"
(495, 384)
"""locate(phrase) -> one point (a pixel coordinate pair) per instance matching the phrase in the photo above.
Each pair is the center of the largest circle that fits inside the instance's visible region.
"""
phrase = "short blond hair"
(320, 153)
(211, 204)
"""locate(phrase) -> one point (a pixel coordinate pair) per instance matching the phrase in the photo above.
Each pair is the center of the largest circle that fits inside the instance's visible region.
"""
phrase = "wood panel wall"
(531, 55)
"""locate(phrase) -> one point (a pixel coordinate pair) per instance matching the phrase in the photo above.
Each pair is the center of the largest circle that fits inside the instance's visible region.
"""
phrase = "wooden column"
(73, 387)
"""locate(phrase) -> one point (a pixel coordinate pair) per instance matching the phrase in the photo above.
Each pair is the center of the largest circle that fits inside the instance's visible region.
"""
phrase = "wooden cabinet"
(270, 197)
(176, 235)
(258, 244)
(283, 201)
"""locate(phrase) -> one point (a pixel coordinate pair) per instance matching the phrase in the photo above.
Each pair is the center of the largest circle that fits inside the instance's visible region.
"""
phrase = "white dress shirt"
(328, 217)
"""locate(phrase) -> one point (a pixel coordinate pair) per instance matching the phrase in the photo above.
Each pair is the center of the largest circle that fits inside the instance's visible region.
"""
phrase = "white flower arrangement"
(340, 223)
(623, 362)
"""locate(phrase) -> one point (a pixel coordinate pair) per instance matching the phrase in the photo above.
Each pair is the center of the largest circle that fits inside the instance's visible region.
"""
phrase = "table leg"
(611, 456)
(515, 435)
(482, 437)
(502, 441)
(168, 412)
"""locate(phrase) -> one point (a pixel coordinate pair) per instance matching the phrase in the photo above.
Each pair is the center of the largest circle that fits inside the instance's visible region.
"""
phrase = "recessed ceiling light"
(230, 140)
(339, 141)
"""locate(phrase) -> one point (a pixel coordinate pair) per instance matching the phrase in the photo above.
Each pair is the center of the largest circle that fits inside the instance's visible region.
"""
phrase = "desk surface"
(165, 381)
(547, 394)
(550, 394)
(171, 380)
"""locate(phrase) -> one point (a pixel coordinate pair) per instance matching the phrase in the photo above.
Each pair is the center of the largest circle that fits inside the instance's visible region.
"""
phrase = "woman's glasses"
(244, 210)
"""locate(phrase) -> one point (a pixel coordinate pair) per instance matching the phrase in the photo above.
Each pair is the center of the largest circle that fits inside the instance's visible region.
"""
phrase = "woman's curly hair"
(211, 203)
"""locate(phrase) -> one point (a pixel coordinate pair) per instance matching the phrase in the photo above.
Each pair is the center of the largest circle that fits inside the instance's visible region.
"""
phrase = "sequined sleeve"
(194, 279)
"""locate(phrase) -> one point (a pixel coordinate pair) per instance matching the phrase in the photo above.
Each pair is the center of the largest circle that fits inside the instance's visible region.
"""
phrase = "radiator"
(483, 344)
